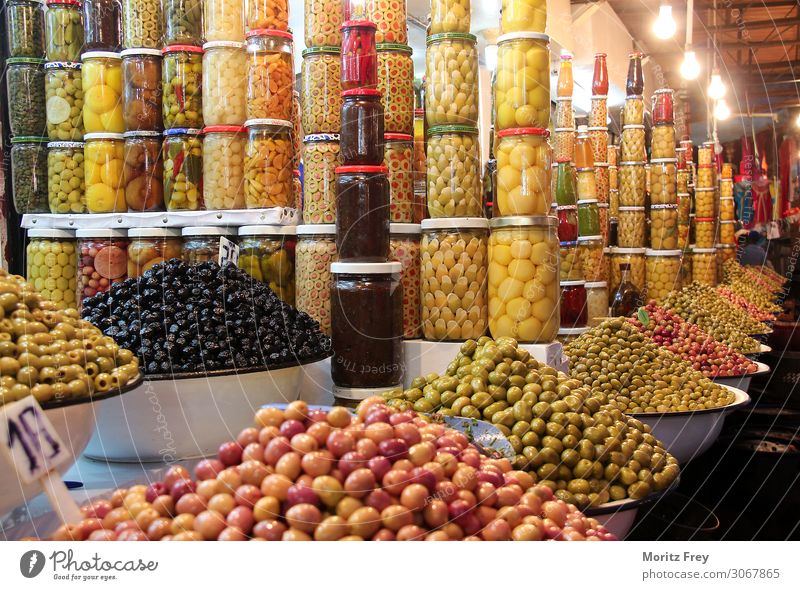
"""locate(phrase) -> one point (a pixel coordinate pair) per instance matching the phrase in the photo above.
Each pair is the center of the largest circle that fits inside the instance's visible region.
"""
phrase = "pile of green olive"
(757, 287)
(637, 375)
(572, 440)
(51, 353)
(706, 296)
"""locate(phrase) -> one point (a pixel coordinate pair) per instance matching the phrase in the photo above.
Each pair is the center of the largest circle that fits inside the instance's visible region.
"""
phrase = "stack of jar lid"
(598, 136)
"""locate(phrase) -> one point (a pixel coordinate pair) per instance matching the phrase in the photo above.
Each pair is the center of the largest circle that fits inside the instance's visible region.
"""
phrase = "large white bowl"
(743, 381)
(754, 355)
(618, 516)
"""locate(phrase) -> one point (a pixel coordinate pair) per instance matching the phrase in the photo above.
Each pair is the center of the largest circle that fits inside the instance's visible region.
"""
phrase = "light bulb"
(797, 121)
(664, 27)
(690, 68)
(717, 88)
(722, 111)
(490, 54)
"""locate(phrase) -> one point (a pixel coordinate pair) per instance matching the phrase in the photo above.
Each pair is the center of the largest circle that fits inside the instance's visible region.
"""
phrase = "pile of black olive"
(182, 318)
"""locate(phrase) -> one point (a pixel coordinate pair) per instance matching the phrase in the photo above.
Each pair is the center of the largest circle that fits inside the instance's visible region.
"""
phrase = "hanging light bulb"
(797, 121)
(490, 53)
(717, 88)
(664, 26)
(690, 68)
(721, 110)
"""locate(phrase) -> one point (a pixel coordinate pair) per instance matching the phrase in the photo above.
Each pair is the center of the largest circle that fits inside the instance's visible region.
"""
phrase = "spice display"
(224, 81)
(663, 182)
(64, 101)
(635, 257)
(664, 227)
(268, 14)
(523, 15)
(29, 174)
(633, 111)
(321, 90)
(102, 260)
(316, 249)
(704, 202)
(65, 177)
(633, 144)
(320, 158)
(727, 232)
(453, 265)
(101, 75)
(183, 169)
(704, 266)
(588, 217)
(567, 222)
(63, 30)
(151, 246)
(24, 28)
(142, 24)
(587, 184)
(396, 85)
(390, 17)
(454, 180)
(631, 185)
(183, 80)
(322, 21)
(398, 159)
(705, 177)
(182, 22)
(705, 232)
(572, 304)
(450, 16)
(223, 20)
(565, 185)
(268, 164)
(569, 262)
(144, 171)
(598, 115)
(565, 114)
(598, 139)
(451, 80)
(522, 83)
(25, 83)
(596, 302)
(523, 169)
(104, 164)
(662, 142)
(359, 55)
(270, 77)
(362, 220)
(631, 229)
(404, 248)
(563, 144)
(590, 254)
(663, 271)
(52, 265)
(725, 188)
(102, 25)
(142, 85)
(362, 139)
(727, 209)
(223, 166)
(267, 253)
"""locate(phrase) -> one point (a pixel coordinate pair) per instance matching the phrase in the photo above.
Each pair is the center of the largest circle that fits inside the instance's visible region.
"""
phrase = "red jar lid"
(524, 131)
(269, 32)
(69, 2)
(704, 219)
(361, 92)
(189, 48)
(358, 23)
(365, 169)
(224, 129)
(398, 136)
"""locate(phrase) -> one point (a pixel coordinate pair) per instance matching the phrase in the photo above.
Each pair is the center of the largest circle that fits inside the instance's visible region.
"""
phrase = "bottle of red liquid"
(600, 79)
(663, 107)
(635, 84)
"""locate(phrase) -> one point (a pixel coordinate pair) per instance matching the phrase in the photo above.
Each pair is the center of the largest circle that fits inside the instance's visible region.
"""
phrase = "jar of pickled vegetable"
(322, 21)
(632, 184)
(633, 111)
(727, 209)
(523, 15)
(297, 190)
(359, 55)
(270, 77)
(151, 246)
(590, 252)
(704, 202)
(567, 222)
(683, 235)
(633, 144)
(102, 25)
(203, 243)
(523, 172)
(705, 177)
(316, 249)
(398, 159)
(632, 223)
(63, 30)
(454, 309)
(51, 264)
(29, 174)
(727, 232)
(705, 232)
(320, 159)
(396, 84)
(66, 186)
(404, 247)
(104, 163)
(587, 184)
(454, 172)
(663, 182)
(588, 217)
(321, 94)
(726, 252)
(102, 260)
(267, 253)
(662, 142)
(362, 220)
(598, 139)
(565, 114)
(563, 144)
(613, 202)
(390, 18)
(684, 207)
(522, 83)
(603, 209)
(24, 28)
(572, 304)
(25, 83)
(64, 99)
(450, 16)
(144, 171)
(224, 149)
(183, 169)
(223, 20)
(596, 302)
(569, 264)
(664, 227)
(183, 22)
(704, 266)
(183, 86)
(612, 157)
(297, 131)
(565, 184)
(683, 180)
(663, 269)
(686, 267)
(726, 188)
(451, 81)
(268, 14)
(101, 75)
(635, 257)
(142, 24)
(141, 96)
(613, 178)
(224, 83)
(705, 154)
(601, 181)
(268, 164)
(598, 115)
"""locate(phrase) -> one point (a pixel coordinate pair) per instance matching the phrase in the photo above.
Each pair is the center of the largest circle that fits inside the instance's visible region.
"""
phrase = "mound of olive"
(757, 285)
(586, 451)
(720, 308)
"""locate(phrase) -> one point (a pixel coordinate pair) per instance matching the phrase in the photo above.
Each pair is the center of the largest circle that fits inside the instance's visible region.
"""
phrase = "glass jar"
(321, 90)
(182, 22)
(362, 127)
(662, 142)
(102, 25)
(727, 209)
(398, 158)
(367, 320)
(102, 260)
(588, 217)
(727, 172)
(63, 30)
(322, 21)
(297, 190)
(601, 182)
(522, 82)
(396, 85)
(183, 169)
(613, 178)
(268, 14)
(223, 20)
(224, 83)
(51, 265)
(24, 28)
(183, 86)
(596, 302)
(704, 201)
(683, 181)
(663, 271)
(598, 115)
(686, 267)
(449, 16)
(63, 88)
(705, 177)
(316, 250)
(664, 227)
(598, 139)
(270, 75)
(451, 81)
(144, 171)
(390, 18)
(523, 172)
(142, 24)
(725, 188)
(613, 202)
(725, 252)
(359, 55)
(704, 266)
(565, 189)
(572, 305)
(683, 235)
(523, 288)
(453, 169)
(603, 209)
(684, 207)
(224, 149)
(203, 243)
(590, 253)
(727, 232)
(569, 264)
(567, 222)
(141, 96)
(587, 184)
(633, 111)
(151, 246)
(631, 230)
(362, 220)
(705, 154)
(565, 114)
(29, 174)
(632, 184)
(705, 232)
(663, 182)
(101, 75)
(267, 253)
(25, 84)
(104, 164)
(635, 257)
(268, 164)
(320, 159)
(65, 177)
(297, 131)
(633, 143)
(461, 313)
(523, 15)
(563, 144)
(404, 247)
(613, 155)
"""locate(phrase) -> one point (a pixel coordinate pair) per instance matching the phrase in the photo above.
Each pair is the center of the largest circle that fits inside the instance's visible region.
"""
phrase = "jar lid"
(586, 202)
(129, 134)
(572, 283)
(99, 54)
(366, 268)
(726, 180)
(25, 60)
(634, 97)
(442, 129)
(317, 228)
(455, 223)
(564, 130)
(29, 139)
(604, 205)
(686, 195)
(597, 129)
(706, 189)
(268, 122)
(728, 221)
(718, 246)
(68, 2)
(268, 33)
(320, 49)
(64, 65)
(602, 165)
(627, 250)
(182, 131)
(568, 244)
(101, 232)
(704, 219)
(704, 250)
(207, 230)
(182, 48)
(589, 238)
(398, 137)
(596, 284)
(362, 393)
(140, 51)
(358, 23)
(624, 127)
(567, 208)
(651, 252)
(153, 232)
(224, 129)
(395, 47)
(573, 331)
(664, 206)
(226, 44)
(405, 228)
(447, 36)
(267, 230)
(524, 221)
(633, 163)
(583, 129)
(63, 234)
(664, 91)
(363, 169)
(522, 35)
(524, 131)
(631, 208)
(64, 144)
(361, 92)
(103, 135)
(321, 137)
(726, 198)
(589, 169)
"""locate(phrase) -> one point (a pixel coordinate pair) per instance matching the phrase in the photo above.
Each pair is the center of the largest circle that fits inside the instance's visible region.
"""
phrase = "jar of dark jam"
(102, 25)
(362, 141)
(362, 213)
(367, 326)
(573, 304)
(359, 55)
(567, 223)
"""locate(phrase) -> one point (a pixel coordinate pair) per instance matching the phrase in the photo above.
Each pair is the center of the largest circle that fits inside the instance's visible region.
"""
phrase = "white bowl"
(743, 381)
(764, 348)
(618, 516)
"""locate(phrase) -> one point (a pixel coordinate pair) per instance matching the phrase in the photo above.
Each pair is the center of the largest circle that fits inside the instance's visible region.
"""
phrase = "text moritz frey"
(684, 557)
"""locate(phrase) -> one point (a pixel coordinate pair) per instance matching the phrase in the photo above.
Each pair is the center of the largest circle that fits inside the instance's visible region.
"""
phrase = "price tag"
(228, 251)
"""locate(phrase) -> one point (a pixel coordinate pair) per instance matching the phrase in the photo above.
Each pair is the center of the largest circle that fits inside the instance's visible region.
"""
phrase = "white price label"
(228, 251)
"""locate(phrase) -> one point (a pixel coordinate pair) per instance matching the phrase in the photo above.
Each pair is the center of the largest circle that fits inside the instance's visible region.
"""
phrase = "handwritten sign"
(228, 251)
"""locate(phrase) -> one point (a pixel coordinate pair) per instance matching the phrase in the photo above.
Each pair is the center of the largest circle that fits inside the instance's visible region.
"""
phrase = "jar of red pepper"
(663, 106)
(573, 304)
(567, 223)
(362, 137)
(359, 55)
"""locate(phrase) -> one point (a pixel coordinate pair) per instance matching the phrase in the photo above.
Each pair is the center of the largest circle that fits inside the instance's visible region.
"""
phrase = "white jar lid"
(405, 228)
(624, 127)
(651, 252)
(103, 135)
(597, 285)
(631, 208)
(455, 223)
(366, 268)
(587, 201)
(139, 51)
(228, 44)
(153, 232)
(572, 283)
(107, 54)
(664, 161)
(317, 228)
(51, 233)
(588, 238)
(101, 233)
(207, 230)
(267, 230)
(627, 250)
(573, 331)
(704, 250)
(522, 35)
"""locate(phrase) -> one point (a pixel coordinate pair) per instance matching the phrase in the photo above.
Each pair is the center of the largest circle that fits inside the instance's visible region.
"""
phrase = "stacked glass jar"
(706, 226)
(564, 125)
(727, 217)
(598, 136)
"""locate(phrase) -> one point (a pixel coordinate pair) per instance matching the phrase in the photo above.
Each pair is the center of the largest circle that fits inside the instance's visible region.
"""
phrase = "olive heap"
(51, 353)
(181, 318)
(574, 443)
(637, 375)
(302, 475)
(706, 297)
(753, 310)
(701, 351)
(754, 284)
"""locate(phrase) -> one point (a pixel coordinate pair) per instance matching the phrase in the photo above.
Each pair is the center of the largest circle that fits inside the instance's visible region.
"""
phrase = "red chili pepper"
(179, 95)
(176, 168)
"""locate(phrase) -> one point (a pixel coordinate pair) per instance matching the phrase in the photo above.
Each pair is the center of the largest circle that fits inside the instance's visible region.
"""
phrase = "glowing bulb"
(690, 68)
(797, 121)
(721, 110)
(664, 27)
(717, 88)
(490, 54)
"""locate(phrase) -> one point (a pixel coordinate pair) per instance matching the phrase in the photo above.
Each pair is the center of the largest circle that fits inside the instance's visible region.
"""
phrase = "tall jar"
(523, 172)
(320, 159)
(663, 182)
(267, 253)
(24, 28)
(664, 227)
(523, 279)
(268, 14)
(572, 304)
(102, 260)
(588, 217)
(565, 114)
(404, 247)
(104, 164)
(66, 185)
(183, 22)
(705, 232)
(362, 127)
(569, 262)
(727, 209)
(663, 271)
(396, 84)
(450, 16)
(662, 142)
(224, 83)
(705, 202)
(26, 96)
(51, 265)
(223, 20)
(102, 25)
(635, 257)
(29, 174)
(224, 148)
(141, 95)
(151, 246)
(322, 21)
(725, 188)
(321, 95)
(631, 230)
(183, 80)
(565, 184)
(268, 164)
(632, 184)
(590, 252)
(270, 74)
(451, 80)
(101, 75)
(726, 252)
(204, 243)
(362, 213)
(727, 232)
(704, 266)
(144, 171)
(454, 172)
(316, 250)
(390, 19)
(183, 169)
(567, 222)
(63, 30)
(359, 55)
(563, 144)
(523, 15)
(454, 301)
(633, 144)
(596, 302)
(142, 24)
(398, 158)
(64, 96)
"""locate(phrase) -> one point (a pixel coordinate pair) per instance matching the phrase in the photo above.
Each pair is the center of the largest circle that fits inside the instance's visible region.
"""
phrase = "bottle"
(627, 296)
(566, 189)
(583, 149)
(600, 79)
(565, 85)
(635, 84)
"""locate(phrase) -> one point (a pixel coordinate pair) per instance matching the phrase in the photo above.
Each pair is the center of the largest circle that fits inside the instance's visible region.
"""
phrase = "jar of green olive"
(24, 28)
(204, 243)
(182, 76)
(64, 96)
(63, 30)
(66, 186)
(266, 253)
(26, 103)
(183, 169)
(51, 261)
(29, 174)
(141, 24)
(182, 22)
